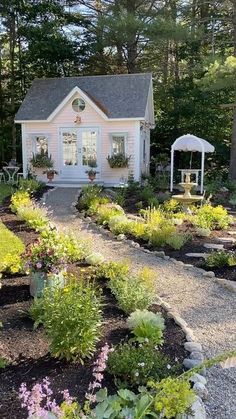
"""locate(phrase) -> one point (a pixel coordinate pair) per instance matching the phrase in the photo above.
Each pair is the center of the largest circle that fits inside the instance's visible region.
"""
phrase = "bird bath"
(187, 199)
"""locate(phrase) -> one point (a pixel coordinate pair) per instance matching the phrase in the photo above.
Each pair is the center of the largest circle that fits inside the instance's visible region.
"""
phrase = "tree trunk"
(12, 42)
(232, 168)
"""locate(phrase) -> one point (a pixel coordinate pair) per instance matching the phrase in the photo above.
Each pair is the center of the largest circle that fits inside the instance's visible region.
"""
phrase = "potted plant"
(118, 160)
(50, 174)
(46, 263)
(91, 172)
(40, 162)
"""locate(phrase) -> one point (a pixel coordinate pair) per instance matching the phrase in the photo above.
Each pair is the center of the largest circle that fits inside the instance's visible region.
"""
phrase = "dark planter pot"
(91, 177)
(50, 176)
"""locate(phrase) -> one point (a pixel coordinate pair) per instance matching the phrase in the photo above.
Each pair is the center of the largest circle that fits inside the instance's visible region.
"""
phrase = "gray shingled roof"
(119, 96)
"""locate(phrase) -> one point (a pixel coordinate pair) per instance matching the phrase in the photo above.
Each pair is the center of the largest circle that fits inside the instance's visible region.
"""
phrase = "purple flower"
(38, 265)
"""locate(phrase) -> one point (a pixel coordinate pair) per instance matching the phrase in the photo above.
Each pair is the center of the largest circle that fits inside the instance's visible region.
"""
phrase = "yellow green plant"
(20, 199)
(11, 247)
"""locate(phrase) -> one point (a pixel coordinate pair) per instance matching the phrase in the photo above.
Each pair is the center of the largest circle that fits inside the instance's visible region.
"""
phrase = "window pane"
(70, 153)
(41, 145)
(89, 147)
(118, 144)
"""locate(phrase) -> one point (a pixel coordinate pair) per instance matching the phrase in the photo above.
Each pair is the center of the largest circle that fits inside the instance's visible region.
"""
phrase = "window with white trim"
(118, 143)
(40, 144)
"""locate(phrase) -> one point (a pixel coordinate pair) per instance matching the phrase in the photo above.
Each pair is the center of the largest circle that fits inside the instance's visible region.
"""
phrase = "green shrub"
(20, 199)
(132, 293)
(30, 185)
(138, 229)
(11, 248)
(112, 270)
(220, 259)
(35, 216)
(171, 206)
(106, 211)
(174, 397)
(134, 365)
(118, 224)
(120, 197)
(203, 232)
(146, 325)
(90, 195)
(159, 236)
(212, 218)
(72, 320)
(74, 248)
(178, 240)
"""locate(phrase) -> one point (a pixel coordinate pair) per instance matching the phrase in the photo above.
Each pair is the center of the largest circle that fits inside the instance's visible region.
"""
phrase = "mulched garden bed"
(27, 349)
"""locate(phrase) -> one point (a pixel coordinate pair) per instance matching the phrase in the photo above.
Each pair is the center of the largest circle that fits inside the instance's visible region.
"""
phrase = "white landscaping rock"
(209, 274)
(197, 255)
(226, 239)
(121, 237)
(198, 378)
(197, 355)
(193, 346)
(214, 246)
(191, 363)
(201, 390)
(198, 410)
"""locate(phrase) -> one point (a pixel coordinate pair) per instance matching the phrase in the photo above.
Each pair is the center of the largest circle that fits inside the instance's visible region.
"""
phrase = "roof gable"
(117, 96)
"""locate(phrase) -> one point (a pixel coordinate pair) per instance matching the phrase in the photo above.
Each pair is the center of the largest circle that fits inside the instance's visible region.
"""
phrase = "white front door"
(78, 147)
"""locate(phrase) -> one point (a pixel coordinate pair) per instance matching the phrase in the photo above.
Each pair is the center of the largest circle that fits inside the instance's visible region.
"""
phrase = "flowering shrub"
(39, 402)
(41, 256)
(146, 325)
(72, 319)
(136, 364)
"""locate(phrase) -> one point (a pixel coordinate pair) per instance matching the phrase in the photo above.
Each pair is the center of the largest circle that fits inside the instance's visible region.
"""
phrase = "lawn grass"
(10, 244)
(5, 190)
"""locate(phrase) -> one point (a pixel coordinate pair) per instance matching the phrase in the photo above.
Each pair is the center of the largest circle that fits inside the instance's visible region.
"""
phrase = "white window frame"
(33, 137)
(118, 134)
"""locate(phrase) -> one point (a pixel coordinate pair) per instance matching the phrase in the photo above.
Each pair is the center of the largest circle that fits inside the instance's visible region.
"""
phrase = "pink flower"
(38, 265)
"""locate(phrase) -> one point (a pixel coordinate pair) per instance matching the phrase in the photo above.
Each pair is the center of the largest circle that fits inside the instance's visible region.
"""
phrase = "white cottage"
(76, 119)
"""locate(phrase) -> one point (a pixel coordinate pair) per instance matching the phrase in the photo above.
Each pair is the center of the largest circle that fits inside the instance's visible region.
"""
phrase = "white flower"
(168, 366)
(136, 374)
(141, 364)
(146, 340)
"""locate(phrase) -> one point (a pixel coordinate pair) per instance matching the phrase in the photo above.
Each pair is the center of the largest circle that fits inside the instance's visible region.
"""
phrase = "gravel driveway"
(208, 308)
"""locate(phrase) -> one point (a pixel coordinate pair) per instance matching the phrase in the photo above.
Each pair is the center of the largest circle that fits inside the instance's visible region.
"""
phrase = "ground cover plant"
(11, 249)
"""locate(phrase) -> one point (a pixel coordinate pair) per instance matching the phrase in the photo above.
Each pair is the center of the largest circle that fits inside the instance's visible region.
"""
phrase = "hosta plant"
(146, 326)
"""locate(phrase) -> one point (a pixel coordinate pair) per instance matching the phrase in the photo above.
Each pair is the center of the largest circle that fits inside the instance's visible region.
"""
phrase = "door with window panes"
(79, 147)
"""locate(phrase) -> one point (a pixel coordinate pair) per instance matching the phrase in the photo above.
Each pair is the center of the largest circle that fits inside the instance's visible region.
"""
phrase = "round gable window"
(78, 105)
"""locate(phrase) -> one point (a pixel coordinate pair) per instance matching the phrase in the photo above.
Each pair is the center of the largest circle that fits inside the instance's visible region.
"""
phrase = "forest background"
(189, 46)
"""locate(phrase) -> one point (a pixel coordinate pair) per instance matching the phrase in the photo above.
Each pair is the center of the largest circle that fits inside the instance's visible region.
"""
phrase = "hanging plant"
(118, 160)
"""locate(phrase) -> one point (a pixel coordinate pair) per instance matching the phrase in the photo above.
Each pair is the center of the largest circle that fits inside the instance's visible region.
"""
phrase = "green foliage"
(220, 259)
(75, 249)
(178, 240)
(203, 232)
(120, 197)
(5, 191)
(30, 185)
(106, 211)
(72, 320)
(11, 248)
(118, 160)
(134, 365)
(112, 270)
(171, 206)
(212, 218)
(119, 224)
(146, 325)
(173, 397)
(41, 160)
(159, 236)
(138, 229)
(133, 292)
(20, 199)
(90, 196)
(147, 196)
(34, 216)
(3, 363)
(94, 259)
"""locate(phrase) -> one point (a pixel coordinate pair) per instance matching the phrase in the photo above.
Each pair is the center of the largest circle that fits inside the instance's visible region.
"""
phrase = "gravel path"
(208, 308)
